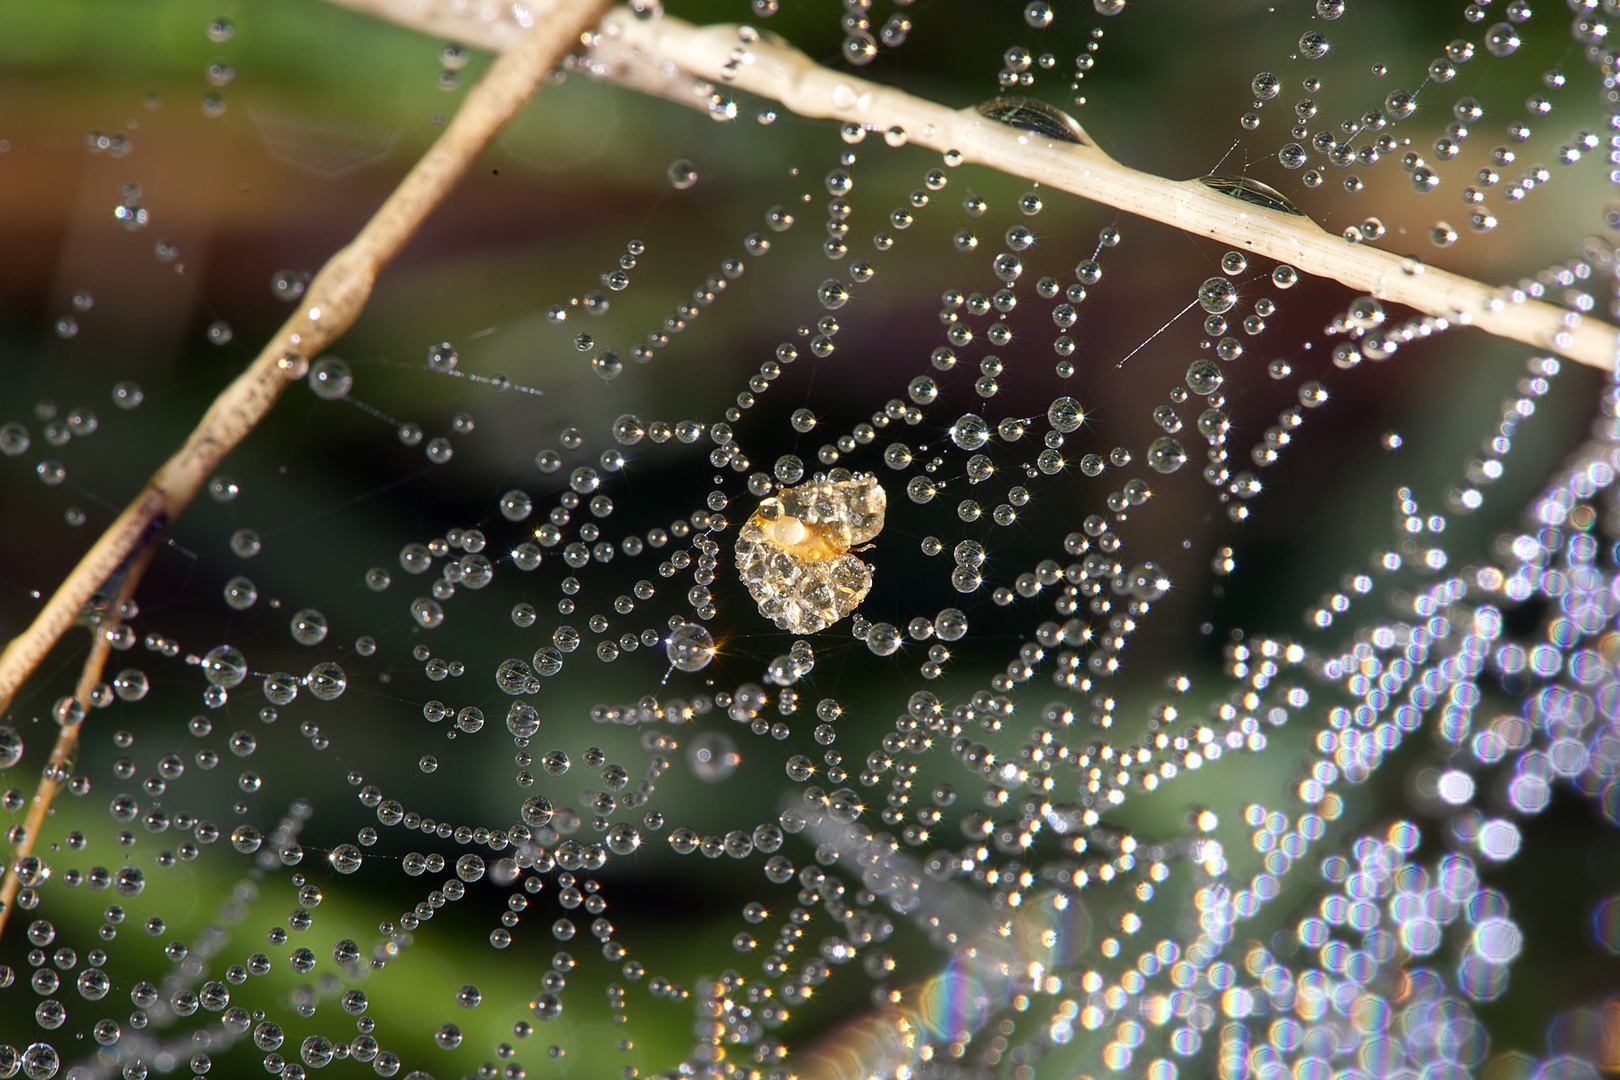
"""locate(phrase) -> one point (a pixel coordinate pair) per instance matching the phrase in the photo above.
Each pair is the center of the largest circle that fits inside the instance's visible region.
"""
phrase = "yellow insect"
(793, 553)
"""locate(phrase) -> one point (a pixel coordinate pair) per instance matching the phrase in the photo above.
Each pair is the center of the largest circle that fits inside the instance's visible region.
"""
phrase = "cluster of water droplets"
(1489, 181)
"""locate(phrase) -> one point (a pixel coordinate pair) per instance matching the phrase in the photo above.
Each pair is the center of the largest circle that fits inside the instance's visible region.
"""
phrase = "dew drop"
(682, 174)
(326, 681)
(126, 394)
(970, 432)
(11, 746)
(224, 665)
(1032, 115)
(288, 285)
(245, 543)
(1166, 455)
(1217, 295)
(427, 612)
(1065, 415)
(1312, 45)
(329, 379)
(240, 593)
(1502, 40)
(442, 358)
(1038, 14)
(689, 647)
(712, 756)
(308, 627)
(536, 811)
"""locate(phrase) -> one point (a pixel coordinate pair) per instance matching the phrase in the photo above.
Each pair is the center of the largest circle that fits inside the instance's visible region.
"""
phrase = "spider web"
(1235, 692)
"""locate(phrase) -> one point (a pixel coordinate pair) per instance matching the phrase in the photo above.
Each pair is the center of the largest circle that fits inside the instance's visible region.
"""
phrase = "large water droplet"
(1217, 295)
(1065, 415)
(682, 174)
(1502, 40)
(1036, 116)
(970, 432)
(689, 647)
(1166, 455)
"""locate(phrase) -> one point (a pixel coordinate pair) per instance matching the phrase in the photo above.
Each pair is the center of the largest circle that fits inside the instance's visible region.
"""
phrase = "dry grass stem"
(669, 57)
(737, 57)
(63, 754)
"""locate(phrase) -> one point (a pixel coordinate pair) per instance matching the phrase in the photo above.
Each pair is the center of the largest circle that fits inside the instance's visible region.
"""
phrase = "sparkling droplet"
(682, 174)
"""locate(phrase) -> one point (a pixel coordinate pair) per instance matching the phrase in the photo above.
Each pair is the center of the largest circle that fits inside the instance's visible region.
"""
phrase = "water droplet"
(536, 811)
(833, 294)
(288, 285)
(326, 681)
(1065, 415)
(126, 394)
(1217, 295)
(224, 665)
(442, 357)
(11, 746)
(14, 439)
(970, 432)
(240, 593)
(682, 174)
(712, 756)
(1204, 376)
(427, 612)
(516, 505)
(689, 647)
(1035, 116)
(329, 378)
(346, 858)
(1254, 192)
(789, 469)
(1502, 40)
(308, 627)
(1166, 455)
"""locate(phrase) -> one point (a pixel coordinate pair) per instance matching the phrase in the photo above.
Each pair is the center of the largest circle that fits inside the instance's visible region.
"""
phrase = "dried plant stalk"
(60, 765)
(671, 58)
(330, 306)
(735, 57)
